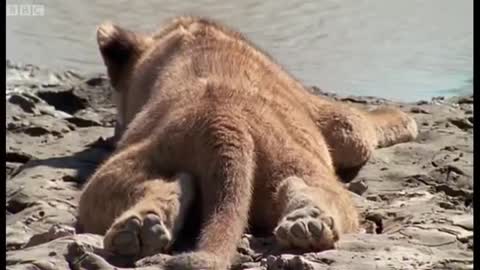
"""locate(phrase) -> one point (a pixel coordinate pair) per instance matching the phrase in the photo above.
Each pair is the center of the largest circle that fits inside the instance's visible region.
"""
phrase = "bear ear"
(116, 44)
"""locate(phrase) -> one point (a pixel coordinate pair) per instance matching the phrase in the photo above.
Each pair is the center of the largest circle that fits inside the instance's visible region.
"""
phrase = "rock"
(50, 110)
(97, 80)
(17, 157)
(418, 110)
(252, 266)
(287, 261)
(462, 123)
(355, 100)
(66, 101)
(51, 255)
(430, 238)
(376, 219)
(465, 100)
(464, 221)
(358, 186)
(152, 260)
(422, 102)
(26, 104)
(317, 91)
(56, 231)
(81, 122)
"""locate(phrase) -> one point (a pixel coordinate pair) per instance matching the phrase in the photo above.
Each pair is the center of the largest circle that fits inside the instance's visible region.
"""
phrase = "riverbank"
(415, 198)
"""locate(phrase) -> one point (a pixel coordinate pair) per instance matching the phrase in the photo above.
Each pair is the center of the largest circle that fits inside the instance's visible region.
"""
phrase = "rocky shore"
(415, 198)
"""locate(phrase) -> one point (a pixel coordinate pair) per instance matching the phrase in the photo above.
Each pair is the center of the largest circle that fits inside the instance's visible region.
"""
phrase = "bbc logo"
(25, 10)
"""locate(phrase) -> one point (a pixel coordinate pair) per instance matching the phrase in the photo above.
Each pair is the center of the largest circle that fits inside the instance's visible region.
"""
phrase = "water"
(404, 50)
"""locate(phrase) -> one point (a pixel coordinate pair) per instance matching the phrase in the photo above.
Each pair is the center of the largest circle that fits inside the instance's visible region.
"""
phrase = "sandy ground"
(415, 198)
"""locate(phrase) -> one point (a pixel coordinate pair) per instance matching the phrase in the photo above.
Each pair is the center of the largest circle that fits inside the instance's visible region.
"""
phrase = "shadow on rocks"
(84, 162)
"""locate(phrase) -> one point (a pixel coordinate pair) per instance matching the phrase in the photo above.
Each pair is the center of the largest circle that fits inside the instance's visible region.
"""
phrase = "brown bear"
(204, 113)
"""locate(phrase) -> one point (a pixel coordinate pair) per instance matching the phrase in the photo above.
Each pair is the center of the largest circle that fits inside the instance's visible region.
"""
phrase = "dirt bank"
(416, 197)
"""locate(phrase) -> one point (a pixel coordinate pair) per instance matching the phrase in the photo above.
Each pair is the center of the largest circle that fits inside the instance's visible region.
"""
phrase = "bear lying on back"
(204, 113)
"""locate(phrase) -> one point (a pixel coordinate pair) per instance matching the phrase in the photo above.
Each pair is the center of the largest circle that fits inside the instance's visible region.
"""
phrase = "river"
(403, 50)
